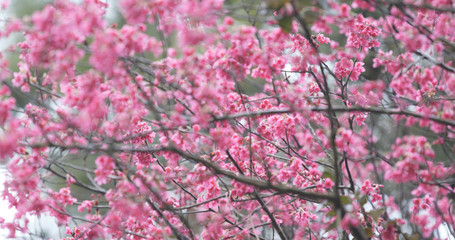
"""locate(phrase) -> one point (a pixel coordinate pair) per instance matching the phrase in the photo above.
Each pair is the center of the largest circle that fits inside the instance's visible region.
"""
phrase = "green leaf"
(310, 16)
(331, 213)
(375, 214)
(345, 200)
(286, 23)
(393, 222)
(305, 3)
(369, 232)
(414, 236)
(327, 174)
(275, 4)
(363, 200)
(331, 226)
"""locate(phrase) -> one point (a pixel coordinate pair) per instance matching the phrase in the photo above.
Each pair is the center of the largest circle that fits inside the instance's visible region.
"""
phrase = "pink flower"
(344, 10)
(347, 68)
(104, 167)
(85, 205)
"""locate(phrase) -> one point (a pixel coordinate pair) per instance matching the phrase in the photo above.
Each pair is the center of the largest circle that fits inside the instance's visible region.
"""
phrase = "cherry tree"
(225, 119)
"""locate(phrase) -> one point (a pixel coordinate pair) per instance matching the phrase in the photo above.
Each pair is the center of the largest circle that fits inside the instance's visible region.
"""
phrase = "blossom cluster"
(196, 120)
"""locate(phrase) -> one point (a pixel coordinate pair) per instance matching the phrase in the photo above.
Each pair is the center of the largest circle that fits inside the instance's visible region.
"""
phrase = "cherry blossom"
(218, 119)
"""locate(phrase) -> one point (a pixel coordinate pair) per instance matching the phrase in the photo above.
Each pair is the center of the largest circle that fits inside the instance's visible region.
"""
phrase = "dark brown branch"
(340, 109)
